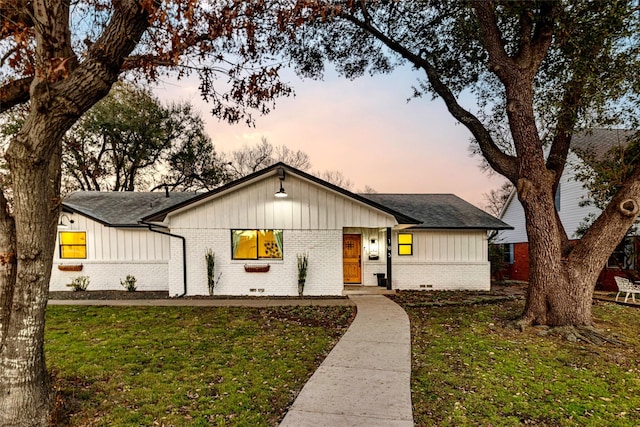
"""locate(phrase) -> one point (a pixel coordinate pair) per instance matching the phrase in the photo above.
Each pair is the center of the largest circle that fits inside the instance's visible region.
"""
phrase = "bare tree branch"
(499, 161)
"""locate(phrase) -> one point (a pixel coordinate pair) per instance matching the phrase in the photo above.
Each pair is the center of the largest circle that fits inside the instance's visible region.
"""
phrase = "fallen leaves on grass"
(468, 369)
(184, 366)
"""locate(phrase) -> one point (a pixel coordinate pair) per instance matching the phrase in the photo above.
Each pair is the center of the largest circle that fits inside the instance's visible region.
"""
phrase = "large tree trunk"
(26, 394)
(517, 41)
(562, 275)
(58, 97)
(559, 293)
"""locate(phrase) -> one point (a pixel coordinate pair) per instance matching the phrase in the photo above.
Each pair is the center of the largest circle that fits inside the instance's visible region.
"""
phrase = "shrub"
(80, 283)
(210, 258)
(303, 265)
(129, 283)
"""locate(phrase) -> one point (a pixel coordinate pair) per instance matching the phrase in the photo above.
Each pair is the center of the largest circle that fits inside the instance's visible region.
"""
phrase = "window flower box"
(256, 268)
(70, 267)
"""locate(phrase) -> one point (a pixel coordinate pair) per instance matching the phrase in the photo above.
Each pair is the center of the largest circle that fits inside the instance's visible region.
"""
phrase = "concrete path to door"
(365, 379)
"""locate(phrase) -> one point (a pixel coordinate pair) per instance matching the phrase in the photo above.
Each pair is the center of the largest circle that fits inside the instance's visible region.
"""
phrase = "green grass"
(184, 366)
(244, 367)
(471, 370)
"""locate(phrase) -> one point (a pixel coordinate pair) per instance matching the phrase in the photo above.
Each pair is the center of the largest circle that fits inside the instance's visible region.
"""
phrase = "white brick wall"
(106, 275)
(112, 254)
(370, 268)
(324, 277)
(442, 276)
(325, 264)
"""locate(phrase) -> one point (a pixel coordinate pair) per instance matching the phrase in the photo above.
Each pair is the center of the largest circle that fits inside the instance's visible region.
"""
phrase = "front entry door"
(351, 257)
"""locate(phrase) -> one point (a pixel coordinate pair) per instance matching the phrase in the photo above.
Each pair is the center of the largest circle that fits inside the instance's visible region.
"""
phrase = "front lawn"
(468, 369)
(184, 366)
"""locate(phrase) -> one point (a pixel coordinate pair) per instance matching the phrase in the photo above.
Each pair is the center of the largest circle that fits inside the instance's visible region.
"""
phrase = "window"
(506, 250)
(405, 244)
(73, 244)
(256, 244)
(556, 199)
(623, 255)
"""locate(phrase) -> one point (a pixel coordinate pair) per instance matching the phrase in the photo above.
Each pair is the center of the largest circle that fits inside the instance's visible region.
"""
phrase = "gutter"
(184, 253)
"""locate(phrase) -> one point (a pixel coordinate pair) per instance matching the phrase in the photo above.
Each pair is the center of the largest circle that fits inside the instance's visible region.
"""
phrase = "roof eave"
(422, 227)
(399, 217)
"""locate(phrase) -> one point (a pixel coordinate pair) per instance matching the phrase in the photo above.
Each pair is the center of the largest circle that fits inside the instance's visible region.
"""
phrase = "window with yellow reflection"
(73, 244)
(256, 244)
(405, 244)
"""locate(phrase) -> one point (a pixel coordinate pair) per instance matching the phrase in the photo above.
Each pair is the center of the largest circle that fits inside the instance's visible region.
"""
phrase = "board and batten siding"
(307, 207)
(447, 246)
(572, 193)
(112, 254)
(116, 244)
(312, 219)
(442, 259)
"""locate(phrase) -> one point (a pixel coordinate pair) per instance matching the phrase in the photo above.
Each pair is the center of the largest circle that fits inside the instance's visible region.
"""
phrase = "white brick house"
(100, 236)
(419, 241)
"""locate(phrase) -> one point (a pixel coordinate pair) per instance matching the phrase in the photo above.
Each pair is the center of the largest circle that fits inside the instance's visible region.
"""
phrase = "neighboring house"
(568, 200)
(259, 224)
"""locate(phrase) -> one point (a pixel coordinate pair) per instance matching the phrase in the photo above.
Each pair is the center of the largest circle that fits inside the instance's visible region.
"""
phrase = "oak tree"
(541, 70)
(61, 57)
(130, 141)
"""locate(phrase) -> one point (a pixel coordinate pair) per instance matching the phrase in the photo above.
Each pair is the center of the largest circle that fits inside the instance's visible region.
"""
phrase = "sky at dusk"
(364, 128)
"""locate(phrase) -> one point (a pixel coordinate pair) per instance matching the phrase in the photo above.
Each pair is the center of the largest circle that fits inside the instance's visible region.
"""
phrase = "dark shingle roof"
(401, 217)
(436, 211)
(440, 211)
(120, 209)
(594, 144)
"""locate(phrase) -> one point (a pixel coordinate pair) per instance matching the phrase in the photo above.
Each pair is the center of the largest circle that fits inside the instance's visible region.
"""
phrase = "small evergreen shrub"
(210, 258)
(303, 266)
(80, 283)
(129, 283)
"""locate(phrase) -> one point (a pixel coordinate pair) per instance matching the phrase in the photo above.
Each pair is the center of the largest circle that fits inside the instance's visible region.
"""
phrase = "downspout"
(389, 253)
(184, 254)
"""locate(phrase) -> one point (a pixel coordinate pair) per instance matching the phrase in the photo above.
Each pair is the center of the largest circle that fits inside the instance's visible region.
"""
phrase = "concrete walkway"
(365, 380)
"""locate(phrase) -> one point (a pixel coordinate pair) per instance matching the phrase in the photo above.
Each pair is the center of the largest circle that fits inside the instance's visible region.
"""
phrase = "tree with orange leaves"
(59, 58)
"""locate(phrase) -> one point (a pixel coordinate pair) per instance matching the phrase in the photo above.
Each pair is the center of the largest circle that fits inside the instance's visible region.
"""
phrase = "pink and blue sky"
(364, 128)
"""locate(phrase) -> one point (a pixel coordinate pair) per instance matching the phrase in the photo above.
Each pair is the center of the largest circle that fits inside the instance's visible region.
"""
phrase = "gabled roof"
(440, 211)
(427, 211)
(590, 146)
(120, 209)
(594, 144)
(401, 217)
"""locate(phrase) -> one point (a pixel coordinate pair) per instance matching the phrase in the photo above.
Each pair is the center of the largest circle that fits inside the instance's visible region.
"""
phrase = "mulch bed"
(442, 298)
(125, 295)
(417, 297)
(107, 295)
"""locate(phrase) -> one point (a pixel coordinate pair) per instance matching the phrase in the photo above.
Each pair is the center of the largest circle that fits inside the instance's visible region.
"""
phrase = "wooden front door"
(351, 257)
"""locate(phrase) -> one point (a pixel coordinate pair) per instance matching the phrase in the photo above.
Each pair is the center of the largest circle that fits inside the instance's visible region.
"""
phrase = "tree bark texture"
(559, 293)
(26, 395)
(61, 92)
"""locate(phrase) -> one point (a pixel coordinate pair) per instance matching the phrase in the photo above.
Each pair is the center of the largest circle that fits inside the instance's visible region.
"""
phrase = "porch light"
(281, 193)
(62, 225)
(373, 249)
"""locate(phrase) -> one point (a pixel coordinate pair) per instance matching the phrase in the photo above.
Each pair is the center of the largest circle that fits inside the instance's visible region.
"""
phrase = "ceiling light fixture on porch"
(281, 193)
